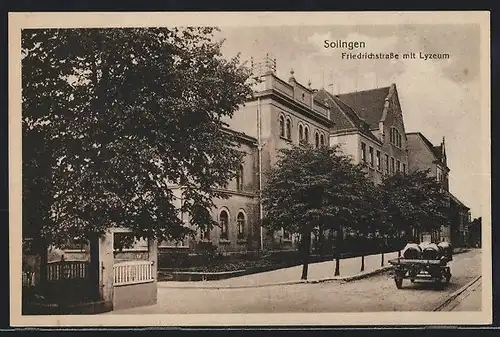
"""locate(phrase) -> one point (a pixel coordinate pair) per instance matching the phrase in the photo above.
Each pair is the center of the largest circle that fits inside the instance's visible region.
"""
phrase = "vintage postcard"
(244, 169)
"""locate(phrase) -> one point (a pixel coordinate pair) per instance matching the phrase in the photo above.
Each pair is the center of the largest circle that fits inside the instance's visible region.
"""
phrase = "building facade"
(280, 114)
(237, 216)
(423, 155)
(367, 125)
(370, 128)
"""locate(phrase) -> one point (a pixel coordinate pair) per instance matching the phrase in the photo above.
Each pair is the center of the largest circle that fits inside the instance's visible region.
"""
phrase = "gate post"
(106, 261)
(153, 257)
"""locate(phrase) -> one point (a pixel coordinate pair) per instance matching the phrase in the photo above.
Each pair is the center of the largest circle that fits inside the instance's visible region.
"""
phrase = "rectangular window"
(392, 165)
(363, 152)
(387, 163)
(378, 160)
(396, 138)
(239, 179)
(399, 166)
(404, 168)
(371, 156)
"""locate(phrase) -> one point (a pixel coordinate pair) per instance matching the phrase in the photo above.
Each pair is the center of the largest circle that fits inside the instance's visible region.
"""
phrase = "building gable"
(437, 152)
(368, 104)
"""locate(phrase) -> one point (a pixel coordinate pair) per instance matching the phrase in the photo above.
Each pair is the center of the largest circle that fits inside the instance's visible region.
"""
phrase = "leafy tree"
(113, 117)
(371, 214)
(414, 202)
(310, 188)
(354, 200)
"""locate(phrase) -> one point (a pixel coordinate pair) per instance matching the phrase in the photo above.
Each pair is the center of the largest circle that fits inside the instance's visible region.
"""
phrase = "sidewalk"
(318, 272)
(470, 302)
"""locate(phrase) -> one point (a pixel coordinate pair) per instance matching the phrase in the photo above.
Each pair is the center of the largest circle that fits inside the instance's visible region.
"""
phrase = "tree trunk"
(382, 260)
(339, 248)
(306, 249)
(399, 253)
(337, 266)
(362, 262)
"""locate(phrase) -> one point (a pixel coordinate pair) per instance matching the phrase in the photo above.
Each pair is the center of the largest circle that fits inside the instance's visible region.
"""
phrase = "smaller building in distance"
(423, 155)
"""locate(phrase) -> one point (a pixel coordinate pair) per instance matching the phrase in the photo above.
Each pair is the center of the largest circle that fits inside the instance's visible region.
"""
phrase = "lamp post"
(259, 148)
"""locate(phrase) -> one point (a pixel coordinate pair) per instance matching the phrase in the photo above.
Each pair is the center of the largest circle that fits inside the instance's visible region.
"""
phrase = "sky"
(439, 98)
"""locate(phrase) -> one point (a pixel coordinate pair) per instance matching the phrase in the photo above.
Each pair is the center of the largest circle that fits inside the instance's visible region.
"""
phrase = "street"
(376, 293)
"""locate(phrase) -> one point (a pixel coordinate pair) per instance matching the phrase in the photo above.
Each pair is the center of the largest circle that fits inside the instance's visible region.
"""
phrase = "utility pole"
(259, 148)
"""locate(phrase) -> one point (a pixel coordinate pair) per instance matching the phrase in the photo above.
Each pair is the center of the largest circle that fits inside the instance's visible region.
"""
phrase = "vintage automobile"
(425, 261)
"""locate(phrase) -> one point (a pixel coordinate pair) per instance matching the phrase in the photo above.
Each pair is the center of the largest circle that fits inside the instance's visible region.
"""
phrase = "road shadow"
(425, 285)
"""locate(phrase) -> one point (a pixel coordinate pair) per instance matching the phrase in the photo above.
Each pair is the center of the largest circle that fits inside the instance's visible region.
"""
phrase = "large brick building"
(368, 125)
(281, 113)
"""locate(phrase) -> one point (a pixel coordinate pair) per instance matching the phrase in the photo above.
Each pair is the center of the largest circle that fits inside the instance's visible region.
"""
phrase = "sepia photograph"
(238, 169)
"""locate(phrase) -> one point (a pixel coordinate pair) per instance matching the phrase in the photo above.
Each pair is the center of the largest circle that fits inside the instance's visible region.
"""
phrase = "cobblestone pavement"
(376, 293)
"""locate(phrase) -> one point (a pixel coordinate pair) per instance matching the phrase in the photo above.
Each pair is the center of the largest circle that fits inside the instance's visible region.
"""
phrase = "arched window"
(306, 134)
(322, 139)
(241, 225)
(395, 137)
(317, 139)
(239, 178)
(301, 133)
(282, 126)
(224, 223)
(288, 128)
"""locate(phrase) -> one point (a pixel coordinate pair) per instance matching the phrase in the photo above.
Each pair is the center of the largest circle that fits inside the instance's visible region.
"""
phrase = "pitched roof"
(436, 150)
(345, 117)
(368, 104)
(457, 201)
(342, 122)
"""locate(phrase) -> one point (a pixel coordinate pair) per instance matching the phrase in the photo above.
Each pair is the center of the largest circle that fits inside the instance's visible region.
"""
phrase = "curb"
(345, 279)
(457, 293)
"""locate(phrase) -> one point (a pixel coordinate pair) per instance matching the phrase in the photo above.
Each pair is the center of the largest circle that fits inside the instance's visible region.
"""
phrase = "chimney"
(292, 80)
